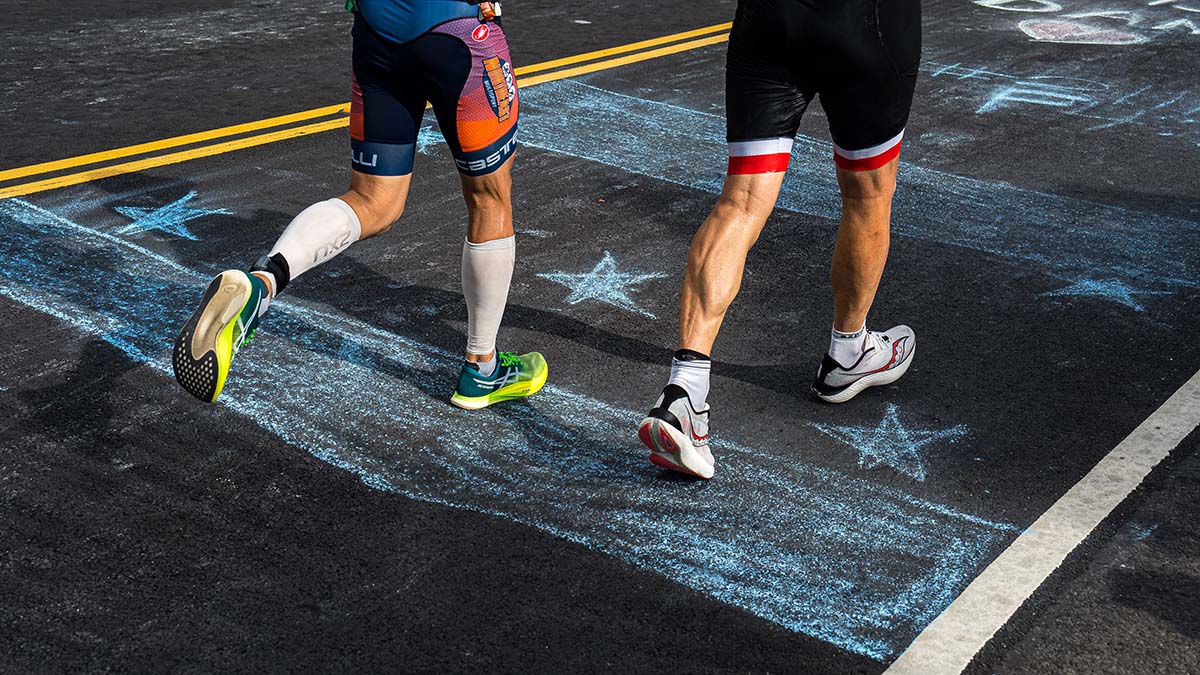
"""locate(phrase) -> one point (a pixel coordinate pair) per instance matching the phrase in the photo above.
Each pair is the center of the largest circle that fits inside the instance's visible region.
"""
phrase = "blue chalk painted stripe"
(777, 536)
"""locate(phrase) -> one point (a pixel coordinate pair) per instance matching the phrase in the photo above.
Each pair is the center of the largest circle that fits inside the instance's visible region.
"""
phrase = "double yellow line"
(330, 117)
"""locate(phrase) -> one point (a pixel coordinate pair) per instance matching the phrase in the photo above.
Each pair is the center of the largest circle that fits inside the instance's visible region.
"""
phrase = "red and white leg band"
(765, 155)
(870, 158)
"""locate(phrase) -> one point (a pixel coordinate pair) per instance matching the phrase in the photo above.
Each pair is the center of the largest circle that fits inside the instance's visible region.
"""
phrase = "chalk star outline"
(1113, 290)
(891, 443)
(427, 137)
(604, 283)
(170, 218)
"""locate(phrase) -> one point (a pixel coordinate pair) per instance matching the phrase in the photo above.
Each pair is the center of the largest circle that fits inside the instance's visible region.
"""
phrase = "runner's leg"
(476, 101)
(867, 101)
(764, 103)
(718, 256)
(384, 120)
(862, 243)
(489, 254)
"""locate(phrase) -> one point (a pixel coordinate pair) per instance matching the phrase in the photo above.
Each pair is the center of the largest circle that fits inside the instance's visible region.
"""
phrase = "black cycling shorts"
(859, 56)
(462, 68)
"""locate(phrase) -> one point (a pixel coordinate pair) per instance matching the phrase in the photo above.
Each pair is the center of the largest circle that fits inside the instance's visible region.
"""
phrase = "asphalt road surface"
(334, 513)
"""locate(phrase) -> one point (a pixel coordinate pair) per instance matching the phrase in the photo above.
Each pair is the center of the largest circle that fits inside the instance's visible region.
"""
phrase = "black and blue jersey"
(405, 20)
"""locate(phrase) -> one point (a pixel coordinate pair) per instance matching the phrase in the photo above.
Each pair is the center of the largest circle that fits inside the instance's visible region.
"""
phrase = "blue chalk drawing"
(1137, 114)
(1061, 236)
(861, 565)
(540, 234)
(1051, 96)
(604, 284)
(428, 137)
(1142, 532)
(891, 443)
(172, 218)
(1157, 106)
(1113, 290)
(958, 71)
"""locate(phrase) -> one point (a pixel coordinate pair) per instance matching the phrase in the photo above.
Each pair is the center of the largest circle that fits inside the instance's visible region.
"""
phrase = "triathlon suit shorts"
(859, 57)
(460, 66)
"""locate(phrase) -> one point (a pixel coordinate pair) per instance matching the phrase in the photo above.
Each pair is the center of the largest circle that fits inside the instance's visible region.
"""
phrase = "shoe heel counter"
(258, 291)
(467, 386)
(667, 416)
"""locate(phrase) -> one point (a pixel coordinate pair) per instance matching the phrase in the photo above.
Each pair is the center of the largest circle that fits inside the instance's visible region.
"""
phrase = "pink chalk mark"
(1073, 32)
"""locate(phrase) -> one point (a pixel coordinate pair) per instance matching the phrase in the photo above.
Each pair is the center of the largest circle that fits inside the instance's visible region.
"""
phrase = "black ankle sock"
(690, 355)
(277, 265)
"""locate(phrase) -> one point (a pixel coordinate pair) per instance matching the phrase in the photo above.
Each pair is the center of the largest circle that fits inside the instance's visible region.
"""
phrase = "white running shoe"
(886, 356)
(677, 434)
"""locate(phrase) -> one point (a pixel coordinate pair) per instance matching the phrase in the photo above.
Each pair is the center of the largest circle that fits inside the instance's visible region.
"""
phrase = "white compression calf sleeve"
(320, 232)
(486, 273)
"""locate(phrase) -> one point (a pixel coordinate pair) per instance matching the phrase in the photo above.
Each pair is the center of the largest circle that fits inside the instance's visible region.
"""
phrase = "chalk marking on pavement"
(891, 442)
(170, 218)
(339, 109)
(604, 283)
(777, 535)
(1108, 483)
(1064, 236)
(948, 645)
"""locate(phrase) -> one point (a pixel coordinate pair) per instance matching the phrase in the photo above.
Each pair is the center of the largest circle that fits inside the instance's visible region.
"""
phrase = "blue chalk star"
(1113, 290)
(426, 137)
(172, 218)
(603, 283)
(891, 443)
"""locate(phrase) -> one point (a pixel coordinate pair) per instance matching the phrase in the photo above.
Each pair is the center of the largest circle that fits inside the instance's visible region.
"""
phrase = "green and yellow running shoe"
(516, 376)
(225, 321)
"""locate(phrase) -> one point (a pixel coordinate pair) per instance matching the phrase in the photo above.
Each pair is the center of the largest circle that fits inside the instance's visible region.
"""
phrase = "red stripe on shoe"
(666, 441)
(867, 163)
(646, 438)
(895, 355)
(774, 163)
(659, 460)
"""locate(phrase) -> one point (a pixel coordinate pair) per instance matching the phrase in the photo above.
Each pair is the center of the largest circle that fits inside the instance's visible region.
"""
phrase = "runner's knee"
(868, 185)
(377, 209)
(487, 193)
(746, 197)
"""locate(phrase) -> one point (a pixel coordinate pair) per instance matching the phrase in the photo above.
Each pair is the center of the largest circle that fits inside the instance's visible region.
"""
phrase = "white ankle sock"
(317, 234)
(271, 284)
(486, 274)
(845, 348)
(486, 368)
(270, 280)
(693, 376)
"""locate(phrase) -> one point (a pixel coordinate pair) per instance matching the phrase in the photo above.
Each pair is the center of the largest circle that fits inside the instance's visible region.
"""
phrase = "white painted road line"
(948, 644)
